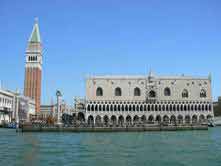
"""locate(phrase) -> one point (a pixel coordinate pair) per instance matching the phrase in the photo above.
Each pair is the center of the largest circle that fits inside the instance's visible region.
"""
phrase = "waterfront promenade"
(144, 128)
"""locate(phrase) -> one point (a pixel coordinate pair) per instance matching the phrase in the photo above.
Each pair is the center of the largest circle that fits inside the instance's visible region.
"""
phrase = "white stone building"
(120, 100)
(10, 102)
(7, 106)
(26, 108)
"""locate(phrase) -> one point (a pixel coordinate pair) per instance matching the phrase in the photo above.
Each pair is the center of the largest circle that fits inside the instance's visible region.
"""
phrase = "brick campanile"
(33, 67)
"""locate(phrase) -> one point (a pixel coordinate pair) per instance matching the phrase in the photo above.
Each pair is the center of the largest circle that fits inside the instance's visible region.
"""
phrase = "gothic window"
(137, 91)
(152, 94)
(117, 91)
(185, 94)
(203, 93)
(99, 91)
(167, 92)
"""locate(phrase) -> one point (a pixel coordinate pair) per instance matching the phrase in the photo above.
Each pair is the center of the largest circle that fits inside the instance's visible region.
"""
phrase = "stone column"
(58, 94)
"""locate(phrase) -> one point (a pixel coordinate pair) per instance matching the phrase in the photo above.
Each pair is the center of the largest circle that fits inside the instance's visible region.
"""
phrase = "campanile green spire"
(35, 35)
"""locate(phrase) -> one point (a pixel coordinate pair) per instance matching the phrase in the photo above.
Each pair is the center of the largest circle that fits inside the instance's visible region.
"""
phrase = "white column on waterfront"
(58, 94)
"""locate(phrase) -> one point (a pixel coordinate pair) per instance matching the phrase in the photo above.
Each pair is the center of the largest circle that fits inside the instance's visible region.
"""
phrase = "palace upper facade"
(151, 98)
(148, 88)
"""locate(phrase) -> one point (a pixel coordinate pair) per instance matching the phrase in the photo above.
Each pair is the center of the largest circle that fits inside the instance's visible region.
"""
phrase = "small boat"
(11, 125)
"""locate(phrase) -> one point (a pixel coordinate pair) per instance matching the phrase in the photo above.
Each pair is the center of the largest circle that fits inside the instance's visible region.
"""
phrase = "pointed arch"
(92, 107)
(166, 119)
(106, 120)
(98, 120)
(187, 119)
(180, 119)
(90, 120)
(128, 120)
(141, 107)
(103, 107)
(114, 120)
(134, 108)
(126, 107)
(121, 120)
(137, 108)
(201, 118)
(118, 108)
(100, 108)
(136, 119)
(130, 107)
(173, 119)
(143, 119)
(115, 107)
(151, 119)
(81, 117)
(111, 107)
(158, 118)
(194, 119)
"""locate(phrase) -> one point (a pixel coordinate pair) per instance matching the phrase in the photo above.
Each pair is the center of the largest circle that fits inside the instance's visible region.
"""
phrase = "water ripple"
(110, 149)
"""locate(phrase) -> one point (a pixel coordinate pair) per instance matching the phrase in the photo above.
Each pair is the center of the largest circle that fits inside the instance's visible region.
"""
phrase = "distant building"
(122, 100)
(10, 102)
(26, 108)
(33, 67)
(46, 111)
(7, 106)
(217, 107)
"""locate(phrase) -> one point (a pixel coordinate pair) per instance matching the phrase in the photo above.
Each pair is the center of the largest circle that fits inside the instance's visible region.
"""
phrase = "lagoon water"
(181, 148)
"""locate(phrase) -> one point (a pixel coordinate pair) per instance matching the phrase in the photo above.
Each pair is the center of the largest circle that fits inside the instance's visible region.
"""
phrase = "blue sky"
(87, 37)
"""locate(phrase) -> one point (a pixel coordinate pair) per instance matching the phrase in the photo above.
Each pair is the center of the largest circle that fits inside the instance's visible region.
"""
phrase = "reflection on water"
(148, 148)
